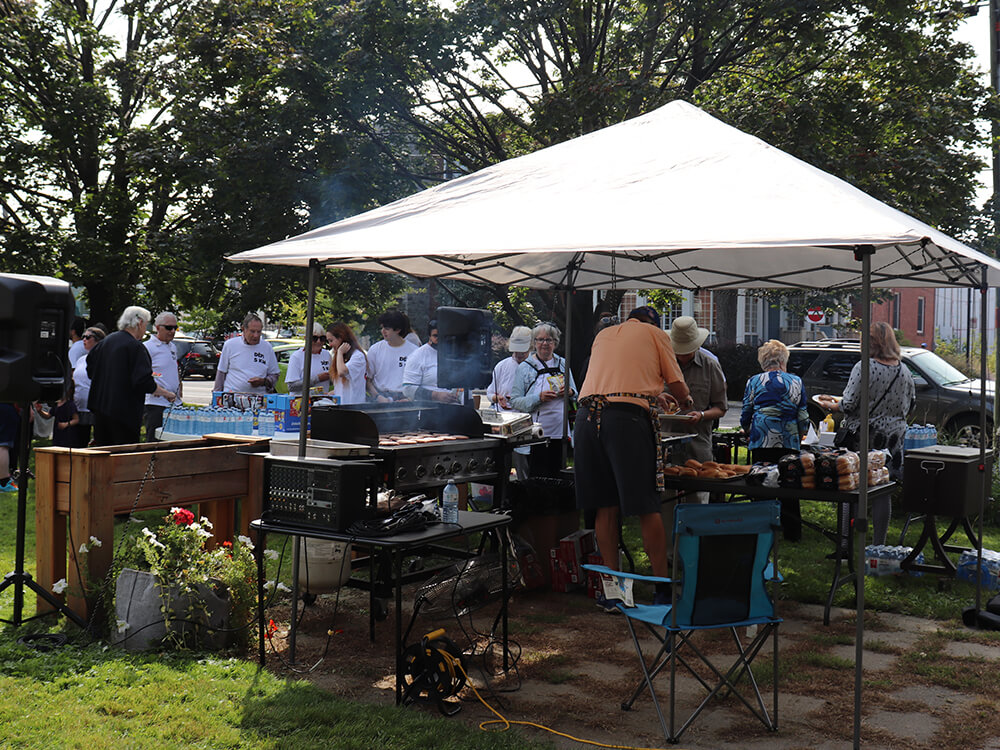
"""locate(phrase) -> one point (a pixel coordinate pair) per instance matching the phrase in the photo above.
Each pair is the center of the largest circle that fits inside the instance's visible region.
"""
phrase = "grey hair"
(772, 353)
(163, 316)
(133, 316)
(250, 318)
(548, 328)
(318, 329)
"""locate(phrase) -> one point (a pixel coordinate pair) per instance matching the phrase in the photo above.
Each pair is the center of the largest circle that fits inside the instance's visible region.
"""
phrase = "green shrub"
(739, 362)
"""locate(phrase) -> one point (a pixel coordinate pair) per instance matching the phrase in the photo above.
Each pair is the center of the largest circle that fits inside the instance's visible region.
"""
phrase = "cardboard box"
(244, 401)
(574, 550)
(287, 410)
(558, 577)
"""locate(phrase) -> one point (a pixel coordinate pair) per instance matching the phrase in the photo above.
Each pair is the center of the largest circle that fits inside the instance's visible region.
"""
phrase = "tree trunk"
(725, 320)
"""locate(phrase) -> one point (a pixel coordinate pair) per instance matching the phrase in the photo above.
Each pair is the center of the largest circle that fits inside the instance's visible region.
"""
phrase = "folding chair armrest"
(622, 574)
(771, 574)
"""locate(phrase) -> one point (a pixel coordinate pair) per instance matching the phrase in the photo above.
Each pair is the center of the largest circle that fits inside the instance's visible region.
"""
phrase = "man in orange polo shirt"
(615, 444)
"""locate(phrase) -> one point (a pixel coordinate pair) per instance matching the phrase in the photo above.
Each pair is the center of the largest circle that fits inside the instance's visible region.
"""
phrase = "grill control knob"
(473, 464)
(401, 472)
(439, 470)
(420, 471)
(455, 468)
(488, 464)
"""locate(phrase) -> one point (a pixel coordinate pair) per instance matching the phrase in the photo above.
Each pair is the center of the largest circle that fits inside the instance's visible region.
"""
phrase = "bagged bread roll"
(848, 482)
(877, 459)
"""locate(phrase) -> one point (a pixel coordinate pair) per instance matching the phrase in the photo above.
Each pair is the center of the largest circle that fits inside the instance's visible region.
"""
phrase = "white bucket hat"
(686, 336)
(520, 339)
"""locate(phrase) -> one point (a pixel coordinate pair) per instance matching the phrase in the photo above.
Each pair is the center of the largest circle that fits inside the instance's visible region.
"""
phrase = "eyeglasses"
(168, 328)
(88, 336)
(319, 338)
(544, 341)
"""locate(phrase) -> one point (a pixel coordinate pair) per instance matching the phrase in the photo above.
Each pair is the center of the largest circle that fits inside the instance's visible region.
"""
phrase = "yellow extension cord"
(507, 723)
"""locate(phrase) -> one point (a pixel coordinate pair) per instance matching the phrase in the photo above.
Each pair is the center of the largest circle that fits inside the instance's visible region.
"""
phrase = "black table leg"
(261, 614)
(398, 584)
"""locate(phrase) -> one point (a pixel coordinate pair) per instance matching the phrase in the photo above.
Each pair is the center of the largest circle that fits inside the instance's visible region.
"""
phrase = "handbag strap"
(885, 393)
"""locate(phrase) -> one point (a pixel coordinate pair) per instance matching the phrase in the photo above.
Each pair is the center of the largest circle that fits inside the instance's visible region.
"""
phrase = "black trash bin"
(543, 511)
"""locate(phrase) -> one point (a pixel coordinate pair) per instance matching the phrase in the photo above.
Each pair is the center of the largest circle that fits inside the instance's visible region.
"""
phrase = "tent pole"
(303, 431)
(307, 355)
(984, 479)
(567, 379)
(864, 254)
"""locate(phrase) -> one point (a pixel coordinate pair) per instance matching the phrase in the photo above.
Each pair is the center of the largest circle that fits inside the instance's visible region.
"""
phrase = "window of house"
(920, 314)
(895, 311)
(704, 309)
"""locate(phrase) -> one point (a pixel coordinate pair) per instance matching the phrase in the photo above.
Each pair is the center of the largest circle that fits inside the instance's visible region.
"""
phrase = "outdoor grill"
(421, 445)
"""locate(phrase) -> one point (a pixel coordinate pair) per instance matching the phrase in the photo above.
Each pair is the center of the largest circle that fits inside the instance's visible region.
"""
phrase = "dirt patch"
(572, 666)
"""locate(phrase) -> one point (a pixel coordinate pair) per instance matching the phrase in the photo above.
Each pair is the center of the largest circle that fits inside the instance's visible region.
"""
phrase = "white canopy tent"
(675, 198)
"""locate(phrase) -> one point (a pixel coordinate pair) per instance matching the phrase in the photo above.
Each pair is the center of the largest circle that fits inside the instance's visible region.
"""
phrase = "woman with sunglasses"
(319, 367)
(81, 383)
(348, 366)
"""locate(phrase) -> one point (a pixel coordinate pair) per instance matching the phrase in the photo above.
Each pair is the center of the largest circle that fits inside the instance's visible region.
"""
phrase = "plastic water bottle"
(449, 503)
(266, 421)
(931, 435)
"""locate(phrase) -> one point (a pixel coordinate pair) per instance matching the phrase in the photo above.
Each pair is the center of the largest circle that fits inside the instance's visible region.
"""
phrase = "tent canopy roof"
(674, 198)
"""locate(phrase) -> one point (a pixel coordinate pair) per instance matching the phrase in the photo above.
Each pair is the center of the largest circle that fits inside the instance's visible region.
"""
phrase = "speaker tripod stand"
(19, 579)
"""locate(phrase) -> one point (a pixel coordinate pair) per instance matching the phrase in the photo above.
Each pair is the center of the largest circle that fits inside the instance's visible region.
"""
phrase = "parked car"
(284, 353)
(946, 397)
(197, 357)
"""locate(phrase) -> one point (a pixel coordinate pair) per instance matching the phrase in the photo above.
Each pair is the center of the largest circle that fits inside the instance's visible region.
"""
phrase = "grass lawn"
(85, 694)
(88, 695)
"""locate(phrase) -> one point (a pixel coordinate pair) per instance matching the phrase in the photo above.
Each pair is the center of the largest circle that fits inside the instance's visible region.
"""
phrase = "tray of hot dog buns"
(708, 470)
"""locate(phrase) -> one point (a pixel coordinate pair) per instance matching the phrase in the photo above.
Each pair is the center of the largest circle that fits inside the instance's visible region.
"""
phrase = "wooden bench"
(78, 493)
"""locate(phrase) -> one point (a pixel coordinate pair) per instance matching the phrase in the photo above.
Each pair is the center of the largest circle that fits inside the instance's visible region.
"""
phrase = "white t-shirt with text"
(386, 364)
(240, 362)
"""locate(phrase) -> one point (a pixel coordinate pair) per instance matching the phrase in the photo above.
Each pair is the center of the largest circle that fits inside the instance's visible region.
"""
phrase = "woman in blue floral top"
(775, 419)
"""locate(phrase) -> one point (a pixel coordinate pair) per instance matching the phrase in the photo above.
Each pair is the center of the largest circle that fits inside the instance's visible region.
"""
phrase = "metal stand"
(19, 579)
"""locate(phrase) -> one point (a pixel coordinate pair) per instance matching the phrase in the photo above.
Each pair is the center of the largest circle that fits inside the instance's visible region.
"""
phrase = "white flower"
(147, 532)
(122, 626)
(95, 542)
(245, 541)
(175, 510)
(60, 586)
(206, 523)
(271, 554)
(84, 549)
(204, 533)
(268, 585)
(283, 587)
(156, 542)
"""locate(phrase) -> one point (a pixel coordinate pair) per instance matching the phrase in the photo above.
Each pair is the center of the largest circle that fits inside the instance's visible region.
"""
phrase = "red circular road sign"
(815, 315)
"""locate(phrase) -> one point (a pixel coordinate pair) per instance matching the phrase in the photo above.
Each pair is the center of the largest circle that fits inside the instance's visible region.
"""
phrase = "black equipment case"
(944, 480)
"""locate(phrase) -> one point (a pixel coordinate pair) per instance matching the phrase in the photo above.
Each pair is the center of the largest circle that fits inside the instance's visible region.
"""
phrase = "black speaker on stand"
(465, 337)
(35, 315)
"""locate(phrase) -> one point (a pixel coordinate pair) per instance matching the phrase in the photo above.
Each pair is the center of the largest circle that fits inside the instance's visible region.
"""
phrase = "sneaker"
(607, 605)
(8, 486)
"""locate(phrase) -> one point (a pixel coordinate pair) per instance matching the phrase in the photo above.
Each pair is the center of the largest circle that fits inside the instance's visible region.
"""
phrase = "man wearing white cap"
(499, 388)
(704, 378)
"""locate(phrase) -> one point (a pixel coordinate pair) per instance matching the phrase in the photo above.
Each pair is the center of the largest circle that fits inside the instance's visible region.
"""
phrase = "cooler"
(944, 480)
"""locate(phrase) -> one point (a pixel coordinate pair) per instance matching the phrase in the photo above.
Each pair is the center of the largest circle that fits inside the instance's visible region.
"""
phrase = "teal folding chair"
(726, 555)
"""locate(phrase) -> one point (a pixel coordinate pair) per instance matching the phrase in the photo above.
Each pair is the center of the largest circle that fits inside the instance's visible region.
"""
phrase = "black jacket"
(121, 375)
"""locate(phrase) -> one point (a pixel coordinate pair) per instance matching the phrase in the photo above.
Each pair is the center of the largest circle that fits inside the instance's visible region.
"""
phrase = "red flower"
(183, 517)
(227, 544)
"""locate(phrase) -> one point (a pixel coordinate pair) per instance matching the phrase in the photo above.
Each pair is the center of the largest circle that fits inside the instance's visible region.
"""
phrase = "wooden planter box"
(82, 490)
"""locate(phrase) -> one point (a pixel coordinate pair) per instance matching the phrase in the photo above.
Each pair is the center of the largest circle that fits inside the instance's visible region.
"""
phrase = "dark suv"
(197, 357)
(945, 397)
